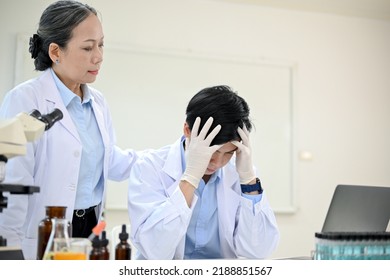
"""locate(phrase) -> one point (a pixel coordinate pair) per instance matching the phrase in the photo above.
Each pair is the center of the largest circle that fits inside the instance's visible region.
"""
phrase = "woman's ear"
(186, 130)
(54, 52)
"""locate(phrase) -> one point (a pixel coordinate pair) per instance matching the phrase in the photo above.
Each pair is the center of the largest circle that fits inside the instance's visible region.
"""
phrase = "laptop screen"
(358, 208)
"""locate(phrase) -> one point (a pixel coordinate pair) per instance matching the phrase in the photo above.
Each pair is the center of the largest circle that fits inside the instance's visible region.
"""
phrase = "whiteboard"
(148, 89)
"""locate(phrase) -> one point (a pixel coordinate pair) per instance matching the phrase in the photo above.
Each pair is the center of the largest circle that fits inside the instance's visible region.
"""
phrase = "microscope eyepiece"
(52, 118)
(48, 119)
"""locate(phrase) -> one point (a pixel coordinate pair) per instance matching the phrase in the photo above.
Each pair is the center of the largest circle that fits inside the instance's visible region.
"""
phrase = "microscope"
(14, 135)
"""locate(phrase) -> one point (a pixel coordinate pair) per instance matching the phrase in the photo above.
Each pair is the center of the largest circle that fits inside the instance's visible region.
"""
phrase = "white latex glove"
(198, 151)
(244, 164)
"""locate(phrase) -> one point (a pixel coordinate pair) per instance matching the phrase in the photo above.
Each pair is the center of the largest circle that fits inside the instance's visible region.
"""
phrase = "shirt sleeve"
(255, 198)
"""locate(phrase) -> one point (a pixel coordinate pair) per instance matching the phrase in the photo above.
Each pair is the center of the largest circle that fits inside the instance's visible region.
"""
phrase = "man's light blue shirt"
(90, 183)
(202, 239)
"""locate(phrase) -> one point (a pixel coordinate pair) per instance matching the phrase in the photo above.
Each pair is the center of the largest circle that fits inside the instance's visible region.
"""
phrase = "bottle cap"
(104, 240)
(96, 242)
(123, 235)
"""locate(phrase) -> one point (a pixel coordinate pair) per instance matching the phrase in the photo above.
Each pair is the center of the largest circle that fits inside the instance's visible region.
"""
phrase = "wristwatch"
(254, 187)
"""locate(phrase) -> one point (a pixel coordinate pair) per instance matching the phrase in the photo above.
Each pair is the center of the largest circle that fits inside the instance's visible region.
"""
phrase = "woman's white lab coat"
(52, 162)
(159, 215)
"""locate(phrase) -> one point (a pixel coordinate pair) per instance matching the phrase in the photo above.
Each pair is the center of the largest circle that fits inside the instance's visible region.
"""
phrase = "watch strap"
(254, 187)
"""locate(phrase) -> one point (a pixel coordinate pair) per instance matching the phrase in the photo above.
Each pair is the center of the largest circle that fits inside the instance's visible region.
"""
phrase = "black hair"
(55, 26)
(225, 106)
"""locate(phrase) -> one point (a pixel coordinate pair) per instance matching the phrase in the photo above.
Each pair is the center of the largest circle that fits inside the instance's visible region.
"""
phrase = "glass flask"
(45, 226)
(72, 249)
(59, 237)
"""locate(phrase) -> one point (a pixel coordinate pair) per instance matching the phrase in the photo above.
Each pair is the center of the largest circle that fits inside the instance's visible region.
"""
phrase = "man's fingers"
(205, 128)
(212, 134)
(195, 128)
(244, 134)
(238, 144)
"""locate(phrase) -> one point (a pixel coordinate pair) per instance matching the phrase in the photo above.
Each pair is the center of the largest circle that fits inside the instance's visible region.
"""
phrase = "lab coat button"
(76, 153)
(72, 187)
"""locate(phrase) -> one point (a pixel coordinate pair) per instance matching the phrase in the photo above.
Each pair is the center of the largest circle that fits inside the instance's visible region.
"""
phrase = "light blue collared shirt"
(90, 184)
(202, 239)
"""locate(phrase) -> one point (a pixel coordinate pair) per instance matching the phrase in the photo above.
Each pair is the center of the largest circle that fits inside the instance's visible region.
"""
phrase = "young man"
(199, 198)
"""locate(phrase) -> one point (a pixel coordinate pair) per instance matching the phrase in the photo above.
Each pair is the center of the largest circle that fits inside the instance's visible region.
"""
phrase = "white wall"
(342, 97)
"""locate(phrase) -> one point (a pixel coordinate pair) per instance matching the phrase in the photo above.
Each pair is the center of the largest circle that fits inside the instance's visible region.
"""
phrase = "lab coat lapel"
(53, 99)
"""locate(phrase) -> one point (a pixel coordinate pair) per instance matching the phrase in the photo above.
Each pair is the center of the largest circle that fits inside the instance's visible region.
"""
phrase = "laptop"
(358, 208)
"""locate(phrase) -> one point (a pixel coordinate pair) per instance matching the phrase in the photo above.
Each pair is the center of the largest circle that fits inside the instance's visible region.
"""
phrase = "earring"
(57, 61)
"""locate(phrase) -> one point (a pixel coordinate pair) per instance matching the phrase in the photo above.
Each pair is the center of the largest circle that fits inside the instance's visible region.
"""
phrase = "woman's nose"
(98, 57)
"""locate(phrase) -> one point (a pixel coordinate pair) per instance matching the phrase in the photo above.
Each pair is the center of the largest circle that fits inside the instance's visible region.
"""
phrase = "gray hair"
(55, 26)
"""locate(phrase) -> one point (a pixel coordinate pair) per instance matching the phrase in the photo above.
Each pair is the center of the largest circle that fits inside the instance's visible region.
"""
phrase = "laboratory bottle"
(123, 248)
(105, 254)
(59, 232)
(96, 251)
(45, 226)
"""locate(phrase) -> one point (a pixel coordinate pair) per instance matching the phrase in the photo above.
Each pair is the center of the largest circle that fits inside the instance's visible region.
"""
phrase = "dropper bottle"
(123, 248)
(96, 251)
(105, 254)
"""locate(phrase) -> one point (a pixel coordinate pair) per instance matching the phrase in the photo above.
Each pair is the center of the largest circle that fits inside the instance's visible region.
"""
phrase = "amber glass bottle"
(45, 226)
(123, 249)
(104, 250)
(96, 251)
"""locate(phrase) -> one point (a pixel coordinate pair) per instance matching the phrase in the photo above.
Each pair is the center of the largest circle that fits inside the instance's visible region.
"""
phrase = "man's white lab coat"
(159, 215)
